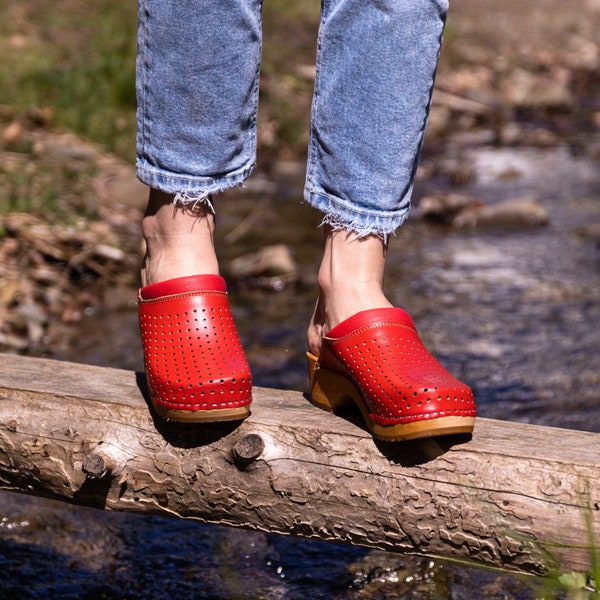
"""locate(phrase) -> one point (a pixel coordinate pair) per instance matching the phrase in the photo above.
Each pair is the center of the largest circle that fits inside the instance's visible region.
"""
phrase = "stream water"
(513, 311)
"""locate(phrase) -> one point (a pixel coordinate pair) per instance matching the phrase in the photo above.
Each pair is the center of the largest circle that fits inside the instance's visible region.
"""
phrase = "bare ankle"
(351, 275)
(179, 239)
(350, 280)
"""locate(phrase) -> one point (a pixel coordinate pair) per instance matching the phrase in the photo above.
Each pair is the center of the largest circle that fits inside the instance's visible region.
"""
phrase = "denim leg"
(197, 85)
(376, 63)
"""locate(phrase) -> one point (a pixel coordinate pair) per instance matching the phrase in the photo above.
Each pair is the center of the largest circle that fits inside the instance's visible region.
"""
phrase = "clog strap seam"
(369, 327)
(181, 296)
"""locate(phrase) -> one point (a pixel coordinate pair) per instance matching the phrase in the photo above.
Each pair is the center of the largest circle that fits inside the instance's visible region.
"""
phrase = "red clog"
(377, 360)
(195, 365)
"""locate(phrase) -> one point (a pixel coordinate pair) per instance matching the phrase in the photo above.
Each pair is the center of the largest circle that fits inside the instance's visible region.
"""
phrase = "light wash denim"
(197, 85)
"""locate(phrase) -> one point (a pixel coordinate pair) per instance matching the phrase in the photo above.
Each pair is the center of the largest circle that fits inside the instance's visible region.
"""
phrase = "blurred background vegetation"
(71, 64)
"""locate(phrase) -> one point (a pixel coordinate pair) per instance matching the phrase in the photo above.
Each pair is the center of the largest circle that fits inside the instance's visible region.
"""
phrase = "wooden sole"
(202, 416)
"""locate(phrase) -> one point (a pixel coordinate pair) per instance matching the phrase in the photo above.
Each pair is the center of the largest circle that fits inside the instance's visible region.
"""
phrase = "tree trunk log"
(515, 496)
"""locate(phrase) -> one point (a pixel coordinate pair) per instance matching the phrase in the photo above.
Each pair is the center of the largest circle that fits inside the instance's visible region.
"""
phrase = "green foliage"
(578, 582)
(579, 586)
(77, 58)
(586, 586)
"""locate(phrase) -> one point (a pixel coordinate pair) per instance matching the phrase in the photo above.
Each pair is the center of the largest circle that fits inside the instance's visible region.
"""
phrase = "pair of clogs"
(197, 370)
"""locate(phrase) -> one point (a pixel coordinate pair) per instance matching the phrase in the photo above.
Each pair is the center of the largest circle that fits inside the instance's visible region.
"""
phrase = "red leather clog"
(377, 360)
(195, 365)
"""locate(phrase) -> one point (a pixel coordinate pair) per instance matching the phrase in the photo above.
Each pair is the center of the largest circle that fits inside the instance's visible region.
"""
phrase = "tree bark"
(516, 496)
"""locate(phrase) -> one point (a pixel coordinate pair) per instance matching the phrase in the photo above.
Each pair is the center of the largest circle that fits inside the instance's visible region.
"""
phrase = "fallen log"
(516, 496)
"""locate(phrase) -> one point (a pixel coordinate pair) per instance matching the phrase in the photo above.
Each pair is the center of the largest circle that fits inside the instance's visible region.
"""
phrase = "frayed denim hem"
(342, 217)
(190, 189)
(194, 199)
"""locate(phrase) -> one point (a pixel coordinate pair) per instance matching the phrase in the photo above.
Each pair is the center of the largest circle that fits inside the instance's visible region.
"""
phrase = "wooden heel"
(328, 390)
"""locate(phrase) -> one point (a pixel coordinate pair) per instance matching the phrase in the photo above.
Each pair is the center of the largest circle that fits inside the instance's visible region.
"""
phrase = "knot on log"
(96, 465)
(248, 449)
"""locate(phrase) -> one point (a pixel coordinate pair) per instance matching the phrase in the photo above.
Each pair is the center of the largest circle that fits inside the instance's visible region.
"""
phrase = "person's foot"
(179, 239)
(193, 357)
(376, 361)
(194, 361)
(350, 280)
(363, 351)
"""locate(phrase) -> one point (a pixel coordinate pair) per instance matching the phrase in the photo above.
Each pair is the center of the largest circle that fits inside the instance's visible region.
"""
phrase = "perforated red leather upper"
(400, 381)
(193, 355)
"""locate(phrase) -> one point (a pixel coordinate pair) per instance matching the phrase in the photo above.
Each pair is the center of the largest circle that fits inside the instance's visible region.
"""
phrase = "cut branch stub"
(96, 465)
(247, 450)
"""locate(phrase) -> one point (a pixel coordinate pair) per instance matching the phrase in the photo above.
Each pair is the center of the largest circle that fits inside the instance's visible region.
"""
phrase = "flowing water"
(513, 311)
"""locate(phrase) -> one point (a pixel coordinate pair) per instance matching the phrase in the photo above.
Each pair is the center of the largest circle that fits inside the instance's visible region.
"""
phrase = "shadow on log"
(515, 496)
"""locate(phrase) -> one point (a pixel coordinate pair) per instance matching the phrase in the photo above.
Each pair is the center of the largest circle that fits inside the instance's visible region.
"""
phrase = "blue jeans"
(197, 85)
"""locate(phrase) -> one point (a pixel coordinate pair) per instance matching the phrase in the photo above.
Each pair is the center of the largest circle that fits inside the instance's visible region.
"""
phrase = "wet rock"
(35, 318)
(512, 214)
(271, 267)
(12, 133)
(523, 89)
(22, 320)
(444, 207)
(591, 232)
(270, 260)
